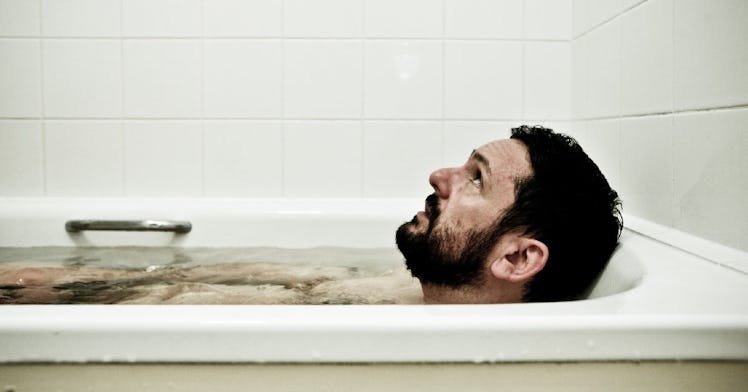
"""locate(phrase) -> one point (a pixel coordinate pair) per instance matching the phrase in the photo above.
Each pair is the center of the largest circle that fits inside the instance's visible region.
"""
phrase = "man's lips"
(431, 206)
(430, 209)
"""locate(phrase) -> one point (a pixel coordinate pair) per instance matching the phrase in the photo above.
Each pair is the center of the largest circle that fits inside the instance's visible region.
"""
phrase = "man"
(530, 218)
(525, 219)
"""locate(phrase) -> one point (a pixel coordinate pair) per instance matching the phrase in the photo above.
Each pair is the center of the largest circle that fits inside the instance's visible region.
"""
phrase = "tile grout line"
(523, 57)
(379, 119)
(444, 84)
(42, 107)
(607, 20)
(673, 213)
(275, 38)
(123, 134)
(202, 101)
(362, 130)
(282, 119)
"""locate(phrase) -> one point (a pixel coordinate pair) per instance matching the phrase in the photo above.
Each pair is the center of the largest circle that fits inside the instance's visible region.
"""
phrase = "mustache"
(432, 207)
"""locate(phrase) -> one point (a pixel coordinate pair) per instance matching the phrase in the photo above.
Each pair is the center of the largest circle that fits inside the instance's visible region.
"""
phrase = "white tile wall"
(678, 61)
(250, 96)
(604, 71)
(323, 158)
(19, 18)
(646, 184)
(547, 80)
(323, 18)
(21, 158)
(162, 18)
(578, 130)
(580, 69)
(556, 125)
(601, 140)
(484, 19)
(243, 78)
(163, 158)
(600, 11)
(710, 171)
(322, 79)
(243, 18)
(590, 14)
(82, 78)
(404, 18)
(628, 4)
(711, 55)
(246, 73)
(483, 80)
(20, 78)
(544, 19)
(462, 137)
(742, 186)
(580, 17)
(84, 158)
(400, 156)
(82, 18)
(243, 158)
(647, 58)
(403, 79)
(163, 78)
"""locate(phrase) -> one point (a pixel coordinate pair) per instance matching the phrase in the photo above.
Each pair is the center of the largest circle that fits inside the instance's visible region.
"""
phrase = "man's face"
(448, 242)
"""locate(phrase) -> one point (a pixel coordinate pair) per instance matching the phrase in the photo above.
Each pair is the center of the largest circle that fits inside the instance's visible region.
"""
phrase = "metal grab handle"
(74, 226)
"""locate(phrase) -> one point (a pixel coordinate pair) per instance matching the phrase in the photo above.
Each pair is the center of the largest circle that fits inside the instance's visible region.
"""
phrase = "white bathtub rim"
(371, 334)
(714, 252)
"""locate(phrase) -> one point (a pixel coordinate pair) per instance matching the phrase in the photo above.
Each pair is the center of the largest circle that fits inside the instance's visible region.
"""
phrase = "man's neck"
(483, 294)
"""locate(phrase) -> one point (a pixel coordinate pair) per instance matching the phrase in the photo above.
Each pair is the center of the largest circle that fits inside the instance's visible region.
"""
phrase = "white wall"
(267, 98)
(660, 98)
(363, 98)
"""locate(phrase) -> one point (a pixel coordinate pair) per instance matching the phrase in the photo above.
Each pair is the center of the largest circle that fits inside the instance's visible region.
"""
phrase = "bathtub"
(654, 302)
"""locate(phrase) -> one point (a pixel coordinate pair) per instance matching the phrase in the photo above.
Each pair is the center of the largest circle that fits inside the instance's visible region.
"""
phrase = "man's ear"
(519, 258)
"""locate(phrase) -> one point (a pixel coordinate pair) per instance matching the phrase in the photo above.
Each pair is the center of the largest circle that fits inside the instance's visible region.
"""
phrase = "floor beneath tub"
(582, 376)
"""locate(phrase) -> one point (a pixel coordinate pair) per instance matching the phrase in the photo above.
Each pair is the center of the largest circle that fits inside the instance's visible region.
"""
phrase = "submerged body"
(266, 282)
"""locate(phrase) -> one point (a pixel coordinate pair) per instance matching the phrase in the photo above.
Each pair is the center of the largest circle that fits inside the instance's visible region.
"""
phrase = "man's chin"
(407, 235)
(441, 257)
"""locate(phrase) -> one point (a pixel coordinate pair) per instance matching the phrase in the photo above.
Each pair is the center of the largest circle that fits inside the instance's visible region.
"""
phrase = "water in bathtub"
(324, 275)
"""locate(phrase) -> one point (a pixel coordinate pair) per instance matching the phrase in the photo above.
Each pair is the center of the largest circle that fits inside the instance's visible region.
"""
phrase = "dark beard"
(435, 256)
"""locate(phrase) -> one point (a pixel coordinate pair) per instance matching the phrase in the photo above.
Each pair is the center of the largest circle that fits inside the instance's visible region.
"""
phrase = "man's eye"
(477, 180)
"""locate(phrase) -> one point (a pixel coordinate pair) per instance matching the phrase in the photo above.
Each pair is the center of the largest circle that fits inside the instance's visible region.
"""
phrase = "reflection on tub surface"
(205, 276)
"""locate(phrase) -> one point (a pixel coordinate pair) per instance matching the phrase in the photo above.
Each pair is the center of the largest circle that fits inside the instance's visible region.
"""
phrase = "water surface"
(132, 275)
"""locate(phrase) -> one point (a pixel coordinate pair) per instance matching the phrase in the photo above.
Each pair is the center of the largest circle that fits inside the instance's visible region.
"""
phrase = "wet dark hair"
(568, 205)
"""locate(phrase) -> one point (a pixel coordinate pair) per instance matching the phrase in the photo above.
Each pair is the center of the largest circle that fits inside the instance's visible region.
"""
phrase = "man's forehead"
(504, 149)
(504, 158)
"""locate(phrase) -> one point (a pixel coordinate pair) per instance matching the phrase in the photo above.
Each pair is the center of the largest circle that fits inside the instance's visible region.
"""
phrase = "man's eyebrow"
(481, 159)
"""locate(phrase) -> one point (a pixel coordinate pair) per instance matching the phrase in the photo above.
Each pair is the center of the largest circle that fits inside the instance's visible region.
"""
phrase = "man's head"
(530, 218)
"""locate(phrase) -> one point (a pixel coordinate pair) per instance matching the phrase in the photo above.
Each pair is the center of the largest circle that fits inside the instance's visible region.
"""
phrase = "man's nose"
(441, 181)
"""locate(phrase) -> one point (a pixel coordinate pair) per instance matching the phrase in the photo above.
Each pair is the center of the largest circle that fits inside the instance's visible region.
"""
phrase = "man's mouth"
(431, 207)
(430, 211)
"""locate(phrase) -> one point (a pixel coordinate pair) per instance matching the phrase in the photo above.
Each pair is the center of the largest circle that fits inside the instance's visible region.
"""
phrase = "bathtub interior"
(623, 272)
(259, 275)
(230, 230)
